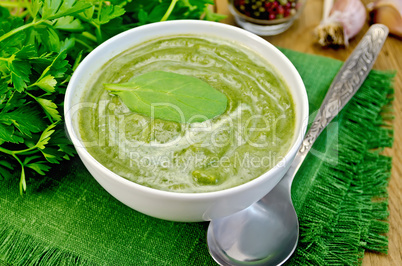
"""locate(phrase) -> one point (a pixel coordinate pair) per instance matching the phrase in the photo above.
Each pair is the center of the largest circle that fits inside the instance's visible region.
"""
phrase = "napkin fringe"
(17, 248)
(345, 211)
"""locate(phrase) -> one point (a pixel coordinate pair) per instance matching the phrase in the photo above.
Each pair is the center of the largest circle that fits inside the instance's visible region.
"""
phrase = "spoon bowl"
(273, 220)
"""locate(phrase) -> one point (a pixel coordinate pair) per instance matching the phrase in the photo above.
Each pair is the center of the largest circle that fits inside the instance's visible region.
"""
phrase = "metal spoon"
(266, 233)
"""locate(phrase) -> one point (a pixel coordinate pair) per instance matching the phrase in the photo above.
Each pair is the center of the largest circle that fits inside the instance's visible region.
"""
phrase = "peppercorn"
(267, 9)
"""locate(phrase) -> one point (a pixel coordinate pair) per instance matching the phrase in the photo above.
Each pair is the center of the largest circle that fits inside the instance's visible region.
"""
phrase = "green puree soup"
(251, 136)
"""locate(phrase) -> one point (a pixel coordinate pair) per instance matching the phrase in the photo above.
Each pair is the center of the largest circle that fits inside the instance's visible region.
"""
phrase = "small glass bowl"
(266, 17)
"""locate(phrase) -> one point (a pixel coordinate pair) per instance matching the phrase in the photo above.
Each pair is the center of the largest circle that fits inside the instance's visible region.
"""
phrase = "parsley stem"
(36, 99)
(90, 48)
(23, 14)
(25, 150)
(11, 4)
(88, 35)
(100, 9)
(13, 153)
(23, 184)
(6, 59)
(98, 33)
(28, 6)
(3, 150)
(23, 27)
(169, 11)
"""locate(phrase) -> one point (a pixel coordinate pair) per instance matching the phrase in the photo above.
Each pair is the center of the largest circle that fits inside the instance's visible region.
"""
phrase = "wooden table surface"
(299, 37)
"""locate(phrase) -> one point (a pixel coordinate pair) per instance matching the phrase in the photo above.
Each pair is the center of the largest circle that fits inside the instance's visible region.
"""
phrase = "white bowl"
(186, 207)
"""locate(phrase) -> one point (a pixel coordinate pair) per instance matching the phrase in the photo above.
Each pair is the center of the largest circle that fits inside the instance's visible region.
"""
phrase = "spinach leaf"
(170, 96)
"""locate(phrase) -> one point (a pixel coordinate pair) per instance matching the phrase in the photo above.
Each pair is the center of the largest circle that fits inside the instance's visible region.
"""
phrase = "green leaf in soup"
(170, 96)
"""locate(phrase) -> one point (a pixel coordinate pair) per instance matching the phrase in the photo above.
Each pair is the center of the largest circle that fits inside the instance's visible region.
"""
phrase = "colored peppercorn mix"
(266, 9)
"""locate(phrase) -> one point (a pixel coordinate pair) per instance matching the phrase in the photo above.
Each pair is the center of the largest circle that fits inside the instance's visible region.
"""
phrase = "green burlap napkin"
(339, 194)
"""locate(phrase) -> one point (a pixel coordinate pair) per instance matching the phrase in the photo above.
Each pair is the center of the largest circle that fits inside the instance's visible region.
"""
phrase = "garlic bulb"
(389, 13)
(345, 20)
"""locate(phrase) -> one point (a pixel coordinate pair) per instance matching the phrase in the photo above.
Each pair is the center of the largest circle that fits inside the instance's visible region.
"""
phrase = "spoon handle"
(348, 80)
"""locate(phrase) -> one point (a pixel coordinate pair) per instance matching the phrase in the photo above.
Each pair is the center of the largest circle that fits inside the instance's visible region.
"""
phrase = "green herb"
(41, 43)
(170, 96)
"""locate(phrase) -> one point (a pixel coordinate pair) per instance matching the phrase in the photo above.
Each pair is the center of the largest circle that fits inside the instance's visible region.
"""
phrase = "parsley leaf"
(47, 83)
(7, 134)
(41, 43)
(108, 13)
(40, 167)
(25, 119)
(68, 23)
(50, 108)
(16, 67)
(53, 9)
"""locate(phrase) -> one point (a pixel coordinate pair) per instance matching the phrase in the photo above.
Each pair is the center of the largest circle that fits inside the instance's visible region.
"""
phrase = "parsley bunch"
(41, 43)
